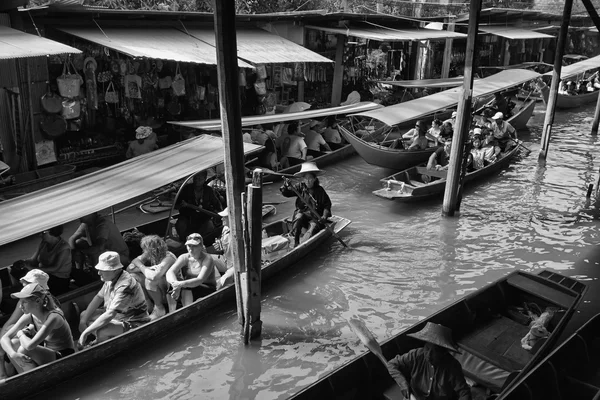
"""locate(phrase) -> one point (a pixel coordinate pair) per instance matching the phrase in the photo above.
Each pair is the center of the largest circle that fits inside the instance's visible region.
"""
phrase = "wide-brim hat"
(194, 239)
(142, 132)
(90, 60)
(36, 276)
(109, 261)
(309, 167)
(29, 290)
(498, 115)
(436, 334)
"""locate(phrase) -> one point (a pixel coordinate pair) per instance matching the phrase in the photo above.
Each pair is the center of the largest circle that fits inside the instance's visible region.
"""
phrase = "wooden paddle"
(520, 144)
(314, 212)
(366, 337)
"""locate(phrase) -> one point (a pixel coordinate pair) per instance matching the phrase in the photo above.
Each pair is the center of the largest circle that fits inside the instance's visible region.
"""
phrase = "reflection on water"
(406, 262)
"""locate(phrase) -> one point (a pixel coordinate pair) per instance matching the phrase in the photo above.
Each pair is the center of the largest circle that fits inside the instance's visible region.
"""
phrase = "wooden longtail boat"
(381, 155)
(409, 185)
(571, 371)
(47, 375)
(487, 325)
(27, 182)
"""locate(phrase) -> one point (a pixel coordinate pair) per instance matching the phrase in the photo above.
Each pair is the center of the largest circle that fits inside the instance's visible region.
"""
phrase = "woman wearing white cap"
(312, 192)
(41, 335)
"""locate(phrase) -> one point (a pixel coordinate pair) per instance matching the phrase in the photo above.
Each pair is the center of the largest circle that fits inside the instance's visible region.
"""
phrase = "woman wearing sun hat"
(142, 144)
(312, 192)
(41, 335)
(430, 372)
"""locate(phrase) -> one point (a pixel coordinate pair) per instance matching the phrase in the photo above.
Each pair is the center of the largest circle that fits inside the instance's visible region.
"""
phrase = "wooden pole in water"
(553, 95)
(253, 324)
(463, 118)
(338, 71)
(231, 122)
(448, 48)
(596, 120)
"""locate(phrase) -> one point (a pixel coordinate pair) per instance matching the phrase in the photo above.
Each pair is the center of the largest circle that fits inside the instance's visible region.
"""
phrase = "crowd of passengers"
(581, 86)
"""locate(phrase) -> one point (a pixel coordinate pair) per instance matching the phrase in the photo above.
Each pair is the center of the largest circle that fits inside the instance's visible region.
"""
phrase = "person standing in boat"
(52, 256)
(193, 275)
(224, 260)
(41, 335)
(149, 270)
(197, 204)
(125, 306)
(430, 372)
(311, 192)
(439, 159)
(503, 131)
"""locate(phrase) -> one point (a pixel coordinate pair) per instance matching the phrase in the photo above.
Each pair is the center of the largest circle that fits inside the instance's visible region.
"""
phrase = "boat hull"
(31, 181)
(483, 325)
(48, 375)
(566, 102)
(405, 187)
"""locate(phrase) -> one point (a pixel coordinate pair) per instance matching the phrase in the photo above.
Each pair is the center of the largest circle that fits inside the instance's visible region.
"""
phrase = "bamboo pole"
(552, 96)
(463, 120)
(231, 122)
(596, 120)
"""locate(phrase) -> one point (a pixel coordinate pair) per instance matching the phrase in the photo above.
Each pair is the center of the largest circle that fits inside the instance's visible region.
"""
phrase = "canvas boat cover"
(391, 34)
(513, 32)
(215, 124)
(413, 109)
(258, 46)
(427, 83)
(578, 68)
(17, 44)
(34, 212)
(157, 43)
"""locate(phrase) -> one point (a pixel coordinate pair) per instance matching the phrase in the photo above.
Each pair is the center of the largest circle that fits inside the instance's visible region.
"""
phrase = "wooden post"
(552, 96)
(463, 119)
(593, 13)
(253, 325)
(231, 122)
(338, 71)
(596, 120)
(448, 49)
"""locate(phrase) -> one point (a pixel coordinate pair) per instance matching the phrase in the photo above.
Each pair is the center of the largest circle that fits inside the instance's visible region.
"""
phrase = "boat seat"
(482, 372)
(417, 183)
(547, 293)
(498, 341)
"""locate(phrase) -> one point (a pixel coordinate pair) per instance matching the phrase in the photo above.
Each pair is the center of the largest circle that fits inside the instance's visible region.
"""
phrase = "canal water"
(405, 262)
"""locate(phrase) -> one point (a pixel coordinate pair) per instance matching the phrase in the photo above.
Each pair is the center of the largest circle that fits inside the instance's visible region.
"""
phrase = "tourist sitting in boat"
(440, 158)
(33, 276)
(224, 259)
(420, 142)
(451, 120)
(52, 256)
(149, 269)
(446, 132)
(315, 142)
(481, 154)
(434, 132)
(294, 147)
(503, 131)
(332, 134)
(500, 103)
(269, 157)
(197, 204)
(570, 89)
(193, 275)
(595, 80)
(95, 235)
(142, 143)
(41, 335)
(125, 306)
(430, 372)
(312, 196)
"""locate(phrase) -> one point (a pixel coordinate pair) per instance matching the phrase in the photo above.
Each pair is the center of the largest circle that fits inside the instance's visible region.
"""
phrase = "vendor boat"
(374, 146)
(419, 183)
(491, 329)
(567, 72)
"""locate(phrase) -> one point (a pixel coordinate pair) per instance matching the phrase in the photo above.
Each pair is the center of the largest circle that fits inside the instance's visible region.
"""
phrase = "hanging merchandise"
(242, 78)
(74, 125)
(111, 96)
(53, 125)
(44, 152)
(298, 72)
(260, 87)
(104, 76)
(69, 82)
(178, 83)
(261, 71)
(165, 83)
(201, 92)
(287, 76)
(133, 86)
(71, 108)
(174, 108)
(51, 103)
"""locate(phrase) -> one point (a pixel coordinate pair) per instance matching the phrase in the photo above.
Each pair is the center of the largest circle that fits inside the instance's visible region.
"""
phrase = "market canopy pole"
(463, 119)
(553, 95)
(596, 19)
(231, 121)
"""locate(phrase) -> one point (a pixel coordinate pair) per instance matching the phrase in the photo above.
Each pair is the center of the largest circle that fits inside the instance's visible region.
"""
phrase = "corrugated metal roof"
(215, 124)
(512, 32)
(391, 35)
(17, 44)
(33, 212)
(578, 68)
(158, 43)
(261, 47)
(413, 109)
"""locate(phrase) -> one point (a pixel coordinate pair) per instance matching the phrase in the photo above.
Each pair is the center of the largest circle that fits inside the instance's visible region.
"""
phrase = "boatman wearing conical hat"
(311, 192)
(430, 372)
